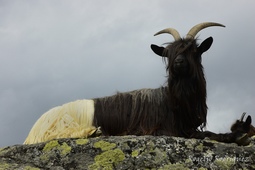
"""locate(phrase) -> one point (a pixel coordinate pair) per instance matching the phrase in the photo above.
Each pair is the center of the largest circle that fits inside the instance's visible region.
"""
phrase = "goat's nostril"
(180, 59)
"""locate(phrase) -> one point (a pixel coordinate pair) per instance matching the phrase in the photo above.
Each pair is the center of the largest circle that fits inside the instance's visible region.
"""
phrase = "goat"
(178, 109)
(245, 126)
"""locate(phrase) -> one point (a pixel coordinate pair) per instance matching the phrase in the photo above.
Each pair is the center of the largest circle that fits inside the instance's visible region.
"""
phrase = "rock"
(128, 152)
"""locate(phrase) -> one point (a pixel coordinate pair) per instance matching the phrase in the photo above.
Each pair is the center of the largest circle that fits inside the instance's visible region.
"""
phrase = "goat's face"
(183, 56)
(244, 126)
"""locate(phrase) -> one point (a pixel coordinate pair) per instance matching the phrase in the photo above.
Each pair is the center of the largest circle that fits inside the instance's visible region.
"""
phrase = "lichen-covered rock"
(128, 152)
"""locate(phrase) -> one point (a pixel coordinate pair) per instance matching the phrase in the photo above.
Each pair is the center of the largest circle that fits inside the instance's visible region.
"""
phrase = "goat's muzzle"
(180, 65)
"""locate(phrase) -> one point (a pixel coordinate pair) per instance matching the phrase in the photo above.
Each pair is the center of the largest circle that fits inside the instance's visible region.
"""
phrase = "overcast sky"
(53, 52)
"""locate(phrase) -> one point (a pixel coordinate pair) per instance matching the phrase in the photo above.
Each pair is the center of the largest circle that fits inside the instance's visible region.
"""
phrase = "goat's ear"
(205, 45)
(161, 51)
(248, 120)
(247, 123)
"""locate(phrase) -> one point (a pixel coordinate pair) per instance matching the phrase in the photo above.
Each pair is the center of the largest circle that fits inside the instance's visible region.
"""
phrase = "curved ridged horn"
(194, 30)
(242, 116)
(171, 31)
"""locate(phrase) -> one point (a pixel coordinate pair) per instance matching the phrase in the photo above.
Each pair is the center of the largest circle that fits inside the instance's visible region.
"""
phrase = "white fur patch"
(71, 120)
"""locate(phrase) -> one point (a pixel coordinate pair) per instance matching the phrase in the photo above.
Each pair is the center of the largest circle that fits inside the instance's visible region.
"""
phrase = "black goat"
(244, 126)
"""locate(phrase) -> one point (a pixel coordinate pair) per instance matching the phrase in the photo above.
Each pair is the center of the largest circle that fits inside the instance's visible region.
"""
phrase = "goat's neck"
(187, 90)
(188, 102)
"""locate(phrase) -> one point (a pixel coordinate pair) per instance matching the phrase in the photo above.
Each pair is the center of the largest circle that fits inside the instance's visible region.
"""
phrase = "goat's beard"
(188, 100)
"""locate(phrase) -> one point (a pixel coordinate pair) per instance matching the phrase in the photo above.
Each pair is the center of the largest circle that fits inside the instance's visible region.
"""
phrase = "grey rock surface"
(128, 152)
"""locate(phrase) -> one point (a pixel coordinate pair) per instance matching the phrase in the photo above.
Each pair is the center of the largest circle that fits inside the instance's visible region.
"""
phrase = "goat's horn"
(194, 30)
(171, 31)
(242, 116)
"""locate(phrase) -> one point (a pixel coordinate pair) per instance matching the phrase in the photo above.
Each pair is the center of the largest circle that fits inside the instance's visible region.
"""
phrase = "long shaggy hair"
(177, 109)
(140, 112)
(187, 92)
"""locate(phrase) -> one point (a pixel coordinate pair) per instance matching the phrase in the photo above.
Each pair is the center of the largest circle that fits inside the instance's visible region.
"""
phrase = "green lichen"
(4, 166)
(188, 162)
(104, 145)
(64, 148)
(30, 168)
(82, 141)
(44, 157)
(190, 143)
(50, 145)
(176, 166)
(159, 155)
(125, 146)
(225, 163)
(107, 159)
(3, 151)
(150, 146)
(199, 147)
(135, 153)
